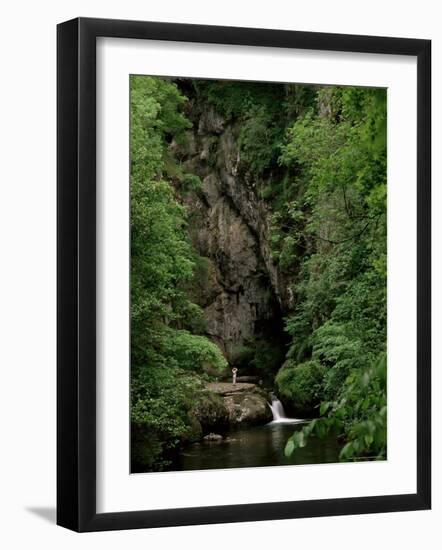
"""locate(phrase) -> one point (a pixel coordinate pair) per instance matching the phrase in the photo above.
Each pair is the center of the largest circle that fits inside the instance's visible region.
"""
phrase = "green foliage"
(258, 138)
(161, 256)
(162, 400)
(288, 256)
(338, 149)
(192, 352)
(256, 110)
(168, 360)
(233, 99)
(360, 413)
(302, 384)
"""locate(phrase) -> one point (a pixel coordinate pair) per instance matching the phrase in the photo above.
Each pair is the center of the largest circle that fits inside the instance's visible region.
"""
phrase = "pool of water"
(257, 446)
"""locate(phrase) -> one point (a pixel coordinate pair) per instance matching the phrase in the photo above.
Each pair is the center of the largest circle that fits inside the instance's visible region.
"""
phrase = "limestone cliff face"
(243, 293)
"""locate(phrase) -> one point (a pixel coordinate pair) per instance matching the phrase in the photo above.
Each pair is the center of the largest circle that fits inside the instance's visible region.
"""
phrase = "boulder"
(211, 412)
(213, 437)
(245, 403)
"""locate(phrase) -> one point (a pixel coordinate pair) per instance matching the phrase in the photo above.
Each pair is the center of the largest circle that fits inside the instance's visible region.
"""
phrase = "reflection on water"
(257, 446)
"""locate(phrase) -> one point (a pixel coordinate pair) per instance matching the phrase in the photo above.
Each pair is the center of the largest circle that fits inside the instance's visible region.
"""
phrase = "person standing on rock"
(234, 371)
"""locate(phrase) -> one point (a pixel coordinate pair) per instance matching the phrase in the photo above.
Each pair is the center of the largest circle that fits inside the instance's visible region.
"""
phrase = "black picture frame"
(76, 273)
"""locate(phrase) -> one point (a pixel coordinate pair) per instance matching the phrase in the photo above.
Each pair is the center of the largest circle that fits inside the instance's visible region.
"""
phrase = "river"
(257, 446)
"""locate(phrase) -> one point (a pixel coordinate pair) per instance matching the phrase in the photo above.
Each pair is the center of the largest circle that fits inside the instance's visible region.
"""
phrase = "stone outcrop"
(211, 413)
(244, 403)
(242, 293)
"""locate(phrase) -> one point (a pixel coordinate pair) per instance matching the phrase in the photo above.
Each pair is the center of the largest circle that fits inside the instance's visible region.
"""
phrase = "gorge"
(257, 243)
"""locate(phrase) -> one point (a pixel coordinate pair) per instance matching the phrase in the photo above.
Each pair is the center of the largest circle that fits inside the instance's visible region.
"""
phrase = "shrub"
(301, 384)
(162, 399)
(193, 352)
(360, 414)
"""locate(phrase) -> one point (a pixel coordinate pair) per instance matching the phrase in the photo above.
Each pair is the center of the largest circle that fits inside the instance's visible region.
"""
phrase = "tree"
(165, 355)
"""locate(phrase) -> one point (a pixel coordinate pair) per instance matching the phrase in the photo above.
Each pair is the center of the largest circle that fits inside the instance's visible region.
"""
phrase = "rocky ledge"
(244, 403)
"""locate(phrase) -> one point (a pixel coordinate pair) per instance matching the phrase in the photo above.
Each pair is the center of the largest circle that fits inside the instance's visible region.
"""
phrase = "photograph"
(258, 274)
(220, 262)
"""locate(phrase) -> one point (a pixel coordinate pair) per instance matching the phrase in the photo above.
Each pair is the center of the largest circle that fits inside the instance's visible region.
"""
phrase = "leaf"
(299, 439)
(302, 440)
(320, 429)
(346, 451)
(289, 448)
(365, 379)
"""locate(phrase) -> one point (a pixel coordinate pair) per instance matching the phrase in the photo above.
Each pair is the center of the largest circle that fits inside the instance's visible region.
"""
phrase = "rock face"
(242, 293)
(211, 413)
(244, 403)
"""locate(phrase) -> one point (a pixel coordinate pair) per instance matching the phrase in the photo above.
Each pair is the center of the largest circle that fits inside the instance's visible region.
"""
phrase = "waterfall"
(279, 413)
(277, 410)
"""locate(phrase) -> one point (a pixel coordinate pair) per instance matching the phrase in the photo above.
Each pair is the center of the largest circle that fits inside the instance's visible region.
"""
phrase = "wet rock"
(249, 408)
(245, 403)
(211, 412)
(213, 437)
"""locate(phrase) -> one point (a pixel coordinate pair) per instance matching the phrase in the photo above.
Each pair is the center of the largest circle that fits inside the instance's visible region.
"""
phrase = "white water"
(279, 413)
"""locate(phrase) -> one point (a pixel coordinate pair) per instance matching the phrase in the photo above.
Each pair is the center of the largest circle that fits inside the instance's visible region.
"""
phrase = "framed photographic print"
(243, 274)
